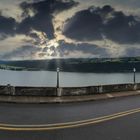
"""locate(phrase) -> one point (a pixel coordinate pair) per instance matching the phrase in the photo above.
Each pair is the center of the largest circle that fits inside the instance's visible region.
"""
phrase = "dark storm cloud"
(7, 26)
(96, 22)
(41, 20)
(22, 52)
(67, 49)
(43, 15)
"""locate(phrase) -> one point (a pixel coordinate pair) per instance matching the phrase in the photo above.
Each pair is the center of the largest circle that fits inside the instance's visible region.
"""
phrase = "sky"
(46, 29)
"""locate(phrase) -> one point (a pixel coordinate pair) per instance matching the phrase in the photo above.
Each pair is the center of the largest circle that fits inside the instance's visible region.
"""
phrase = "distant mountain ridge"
(76, 65)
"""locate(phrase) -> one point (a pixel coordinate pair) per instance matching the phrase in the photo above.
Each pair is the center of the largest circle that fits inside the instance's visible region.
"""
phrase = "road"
(114, 119)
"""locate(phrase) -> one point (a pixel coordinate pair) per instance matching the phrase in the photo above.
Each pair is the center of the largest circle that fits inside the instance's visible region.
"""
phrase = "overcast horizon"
(47, 29)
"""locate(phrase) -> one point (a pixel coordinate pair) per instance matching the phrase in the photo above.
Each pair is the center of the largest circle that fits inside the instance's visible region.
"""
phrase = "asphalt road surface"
(114, 119)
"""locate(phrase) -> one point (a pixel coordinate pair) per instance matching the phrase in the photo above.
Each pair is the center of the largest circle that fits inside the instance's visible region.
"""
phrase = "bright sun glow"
(45, 45)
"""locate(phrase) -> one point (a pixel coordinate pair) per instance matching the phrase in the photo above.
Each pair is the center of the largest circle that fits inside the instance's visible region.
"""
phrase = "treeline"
(79, 65)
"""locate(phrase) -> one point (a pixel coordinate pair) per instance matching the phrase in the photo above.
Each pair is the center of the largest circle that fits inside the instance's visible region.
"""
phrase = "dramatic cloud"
(24, 52)
(132, 52)
(64, 50)
(69, 49)
(43, 29)
(42, 15)
(97, 23)
(7, 26)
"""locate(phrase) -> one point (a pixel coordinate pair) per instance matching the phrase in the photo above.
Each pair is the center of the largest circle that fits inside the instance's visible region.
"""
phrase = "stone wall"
(66, 91)
(28, 91)
(98, 89)
(36, 91)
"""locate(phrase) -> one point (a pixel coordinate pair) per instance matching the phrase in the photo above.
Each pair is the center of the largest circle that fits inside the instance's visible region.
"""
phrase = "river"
(67, 79)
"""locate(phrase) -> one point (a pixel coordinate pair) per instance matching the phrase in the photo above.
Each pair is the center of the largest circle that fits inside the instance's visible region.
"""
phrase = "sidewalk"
(65, 99)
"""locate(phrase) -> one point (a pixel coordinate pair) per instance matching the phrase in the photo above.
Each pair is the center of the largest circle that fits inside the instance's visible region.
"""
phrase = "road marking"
(13, 127)
(109, 95)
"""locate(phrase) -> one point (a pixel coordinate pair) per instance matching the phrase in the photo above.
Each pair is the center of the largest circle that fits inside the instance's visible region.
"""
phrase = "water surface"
(67, 79)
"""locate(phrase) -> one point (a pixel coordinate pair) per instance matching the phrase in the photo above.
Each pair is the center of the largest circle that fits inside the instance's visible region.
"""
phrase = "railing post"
(57, 78)
(58, 86)
(134, 78)
(134, 75)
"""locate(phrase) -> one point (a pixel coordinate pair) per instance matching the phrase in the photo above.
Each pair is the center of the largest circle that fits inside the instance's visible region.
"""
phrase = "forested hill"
(76, 65)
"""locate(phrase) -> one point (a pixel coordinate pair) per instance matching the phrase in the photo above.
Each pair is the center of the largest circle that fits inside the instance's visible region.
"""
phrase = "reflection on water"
(67, 79)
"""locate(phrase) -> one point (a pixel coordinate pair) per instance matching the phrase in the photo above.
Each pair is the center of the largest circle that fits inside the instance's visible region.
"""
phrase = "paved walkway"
(66, 99)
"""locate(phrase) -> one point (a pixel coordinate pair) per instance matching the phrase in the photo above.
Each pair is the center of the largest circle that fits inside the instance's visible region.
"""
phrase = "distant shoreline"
(112, 65)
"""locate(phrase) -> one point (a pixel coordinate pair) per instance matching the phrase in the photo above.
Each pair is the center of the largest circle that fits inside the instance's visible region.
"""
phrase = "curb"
(65, 99)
